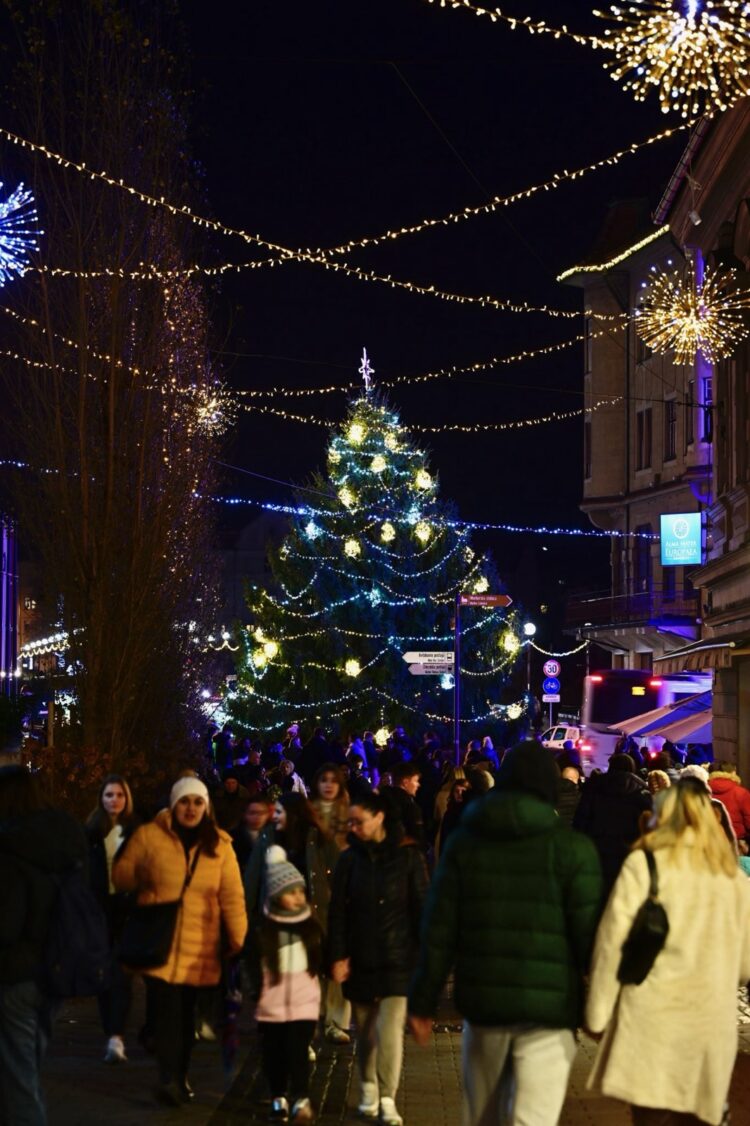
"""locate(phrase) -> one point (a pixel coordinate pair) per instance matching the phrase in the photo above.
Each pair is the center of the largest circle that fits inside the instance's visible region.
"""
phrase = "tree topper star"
(366, 371)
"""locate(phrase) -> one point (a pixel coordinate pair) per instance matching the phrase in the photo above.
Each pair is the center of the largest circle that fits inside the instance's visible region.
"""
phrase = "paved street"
(83, 1091)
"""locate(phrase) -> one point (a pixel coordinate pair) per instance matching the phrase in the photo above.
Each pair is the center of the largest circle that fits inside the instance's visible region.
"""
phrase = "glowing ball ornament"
(423, 480)
(696, 53)
(259, 635)
(260, 660)
(353, 548)
(481, 585)
(391, 442)
(347, 497)
(356, 433)
(686, 316)
(378, 463)
(387, 532)
(312, 531)
(382, 735)
(334, 455)
(514, 711)
(271, 649)
(352, 667)
(511, 644)
(423, 531)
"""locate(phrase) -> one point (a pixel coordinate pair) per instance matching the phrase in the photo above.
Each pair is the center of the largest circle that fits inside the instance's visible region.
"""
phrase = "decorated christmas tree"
(370, 571)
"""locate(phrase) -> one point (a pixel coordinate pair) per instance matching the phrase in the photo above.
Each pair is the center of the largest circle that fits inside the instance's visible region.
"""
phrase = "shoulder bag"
(647, 934)
(149, 929)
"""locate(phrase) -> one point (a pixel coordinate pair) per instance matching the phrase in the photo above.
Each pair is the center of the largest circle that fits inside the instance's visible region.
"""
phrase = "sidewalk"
(83, 1091)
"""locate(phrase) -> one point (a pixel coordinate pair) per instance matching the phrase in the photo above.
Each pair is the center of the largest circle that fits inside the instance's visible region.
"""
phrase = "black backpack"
(76, 958)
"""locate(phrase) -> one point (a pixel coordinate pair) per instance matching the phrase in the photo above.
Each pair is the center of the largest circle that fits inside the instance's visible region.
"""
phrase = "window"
(708, 414)
(670, 429)
(690, 412)
(587, 448)
(29, 603)
(643, 438)
(668, 583)
(642, 561)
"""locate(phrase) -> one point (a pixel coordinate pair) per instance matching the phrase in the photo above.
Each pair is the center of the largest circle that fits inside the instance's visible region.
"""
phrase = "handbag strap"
(191, 871)
(653, 889)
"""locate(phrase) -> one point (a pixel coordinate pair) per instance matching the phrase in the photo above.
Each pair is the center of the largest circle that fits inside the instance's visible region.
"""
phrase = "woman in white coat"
(686, 1009)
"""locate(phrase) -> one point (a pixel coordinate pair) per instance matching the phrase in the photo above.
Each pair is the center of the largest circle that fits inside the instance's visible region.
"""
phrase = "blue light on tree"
(18, 232)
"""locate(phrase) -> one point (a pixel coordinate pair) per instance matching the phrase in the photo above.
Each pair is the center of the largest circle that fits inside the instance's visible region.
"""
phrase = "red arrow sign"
(485, 600)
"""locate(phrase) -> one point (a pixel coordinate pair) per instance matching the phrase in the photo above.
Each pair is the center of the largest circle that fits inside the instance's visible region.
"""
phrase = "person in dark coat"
(569, 791)
(512, 911)
(108, 829)
(230, 802)
(379, 886)
(609, 812)
(36, 844)
(402, 796)
(315, 754)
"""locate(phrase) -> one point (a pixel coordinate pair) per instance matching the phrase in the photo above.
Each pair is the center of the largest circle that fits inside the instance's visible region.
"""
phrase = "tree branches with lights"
(370, 576)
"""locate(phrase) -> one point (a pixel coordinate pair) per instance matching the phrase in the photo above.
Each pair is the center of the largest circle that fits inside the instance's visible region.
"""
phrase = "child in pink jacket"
(285, 957)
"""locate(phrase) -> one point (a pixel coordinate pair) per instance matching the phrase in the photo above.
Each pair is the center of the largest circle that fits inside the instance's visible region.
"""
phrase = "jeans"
(285, 1057)
(380, 1042)
(172, 1008)
(23, 1042)
(515, 1076)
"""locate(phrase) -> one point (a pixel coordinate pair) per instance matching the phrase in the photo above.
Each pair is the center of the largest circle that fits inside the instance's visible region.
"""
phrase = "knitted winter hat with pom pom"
(281, 876)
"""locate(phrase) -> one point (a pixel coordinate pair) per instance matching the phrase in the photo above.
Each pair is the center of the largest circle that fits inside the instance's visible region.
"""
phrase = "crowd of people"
(341, 887)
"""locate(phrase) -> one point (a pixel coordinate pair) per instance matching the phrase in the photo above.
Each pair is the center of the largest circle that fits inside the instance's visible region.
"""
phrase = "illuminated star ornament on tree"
(18, 234)
(695, 52)
(368, 573)
(685, 314)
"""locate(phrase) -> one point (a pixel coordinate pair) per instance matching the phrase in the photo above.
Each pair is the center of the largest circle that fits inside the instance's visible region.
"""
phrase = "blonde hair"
(686, 825)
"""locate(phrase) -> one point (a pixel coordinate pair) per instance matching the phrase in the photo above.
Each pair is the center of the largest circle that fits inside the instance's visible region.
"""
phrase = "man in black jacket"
(36, 843)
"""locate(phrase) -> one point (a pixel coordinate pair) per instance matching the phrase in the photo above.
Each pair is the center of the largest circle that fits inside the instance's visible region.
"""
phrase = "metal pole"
(457, 681)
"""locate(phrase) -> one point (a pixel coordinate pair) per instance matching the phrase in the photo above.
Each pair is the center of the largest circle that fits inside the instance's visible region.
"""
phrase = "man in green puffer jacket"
(512, 910)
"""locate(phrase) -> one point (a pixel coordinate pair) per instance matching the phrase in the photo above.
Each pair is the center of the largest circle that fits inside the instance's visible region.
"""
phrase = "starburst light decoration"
(695, 52)
(378, 463)
(423, 480)
(682, 314)
(346, 496)
(18, 232)
(387, 532)
(352, 667)
(215, 409)
(353, 548)
(423, 531)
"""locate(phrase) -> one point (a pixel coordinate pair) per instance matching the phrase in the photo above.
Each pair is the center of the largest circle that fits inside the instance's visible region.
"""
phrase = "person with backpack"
(182, 856)
(38, 846)
(108, 828)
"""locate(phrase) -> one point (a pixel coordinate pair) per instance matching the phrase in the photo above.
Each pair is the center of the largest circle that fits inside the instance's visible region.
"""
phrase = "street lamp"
(529, 629)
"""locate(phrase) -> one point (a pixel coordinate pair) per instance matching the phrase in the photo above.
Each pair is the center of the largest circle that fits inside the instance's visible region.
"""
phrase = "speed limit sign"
(551, 668)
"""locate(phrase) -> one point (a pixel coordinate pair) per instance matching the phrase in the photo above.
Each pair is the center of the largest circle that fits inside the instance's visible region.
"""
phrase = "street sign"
(428, 656)
(431, 670)
(550, 698)
(550, 685)
(551, 668)
(485, 600)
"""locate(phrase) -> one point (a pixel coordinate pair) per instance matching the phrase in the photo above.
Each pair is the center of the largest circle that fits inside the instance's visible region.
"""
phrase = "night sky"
(319, 122)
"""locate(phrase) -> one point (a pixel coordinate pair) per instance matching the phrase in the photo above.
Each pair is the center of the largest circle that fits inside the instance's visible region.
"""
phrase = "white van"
(556, 737)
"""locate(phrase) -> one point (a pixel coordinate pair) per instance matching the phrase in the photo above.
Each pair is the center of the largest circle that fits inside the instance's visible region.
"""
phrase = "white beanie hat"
(185, 786)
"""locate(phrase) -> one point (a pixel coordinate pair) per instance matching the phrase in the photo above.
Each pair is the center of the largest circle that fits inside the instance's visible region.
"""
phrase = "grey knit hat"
(281, 875)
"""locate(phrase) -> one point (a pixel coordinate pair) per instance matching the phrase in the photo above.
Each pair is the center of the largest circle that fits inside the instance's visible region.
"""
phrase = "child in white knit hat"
(285, 957)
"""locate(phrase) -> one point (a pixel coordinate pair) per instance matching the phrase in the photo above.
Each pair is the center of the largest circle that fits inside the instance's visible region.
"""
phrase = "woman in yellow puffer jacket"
(154, 864)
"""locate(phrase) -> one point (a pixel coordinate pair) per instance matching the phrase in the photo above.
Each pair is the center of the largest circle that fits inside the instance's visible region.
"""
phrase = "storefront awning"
(713, 653)
(696, 728)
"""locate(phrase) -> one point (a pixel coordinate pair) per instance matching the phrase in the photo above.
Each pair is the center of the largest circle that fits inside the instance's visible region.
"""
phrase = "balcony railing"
(600, 609)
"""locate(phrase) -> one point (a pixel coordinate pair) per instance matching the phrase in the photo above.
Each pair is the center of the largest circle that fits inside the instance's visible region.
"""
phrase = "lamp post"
(529, 629)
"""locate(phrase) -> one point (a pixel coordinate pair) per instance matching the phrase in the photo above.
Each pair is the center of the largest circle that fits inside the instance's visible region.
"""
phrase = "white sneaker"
(368, 1101)
(311, 1054)
(389, 1116)
(115, 1052)
(337, 1035)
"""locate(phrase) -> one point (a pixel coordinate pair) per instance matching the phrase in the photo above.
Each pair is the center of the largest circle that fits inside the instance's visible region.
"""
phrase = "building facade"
(647, 448)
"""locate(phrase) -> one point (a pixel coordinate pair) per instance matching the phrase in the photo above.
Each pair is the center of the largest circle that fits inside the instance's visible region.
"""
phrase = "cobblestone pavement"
(83, 1091)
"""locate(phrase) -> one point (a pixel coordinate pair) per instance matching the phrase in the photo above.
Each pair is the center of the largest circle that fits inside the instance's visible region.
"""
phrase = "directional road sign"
(428, 656)
(434, 669)
(485, 600)
(550, 698)
(551, 685)
(551, 668)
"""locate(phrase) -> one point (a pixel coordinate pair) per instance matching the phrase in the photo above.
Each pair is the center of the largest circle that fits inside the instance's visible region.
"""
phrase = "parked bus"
(613, 695)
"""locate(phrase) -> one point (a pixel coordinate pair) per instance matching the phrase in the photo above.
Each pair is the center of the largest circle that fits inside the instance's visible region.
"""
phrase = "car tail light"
(656, 683)
(596, 679)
